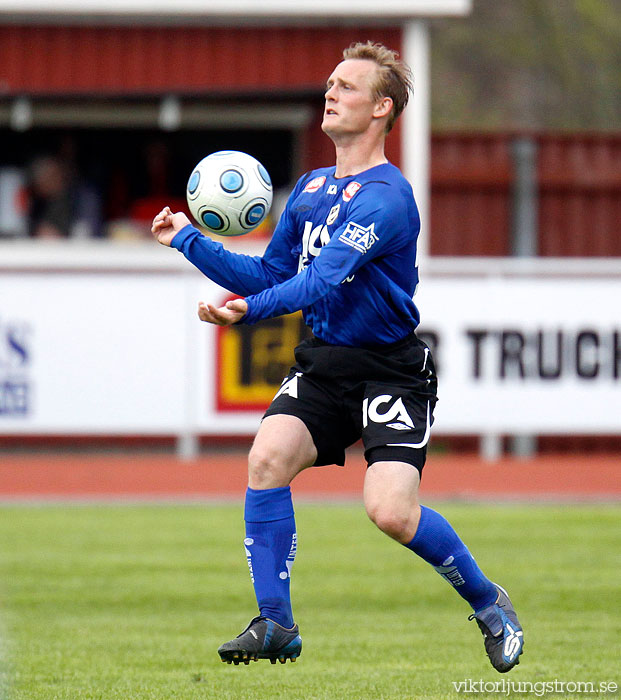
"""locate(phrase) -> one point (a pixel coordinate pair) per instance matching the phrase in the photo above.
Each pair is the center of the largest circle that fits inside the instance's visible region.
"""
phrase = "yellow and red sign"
(252, 361)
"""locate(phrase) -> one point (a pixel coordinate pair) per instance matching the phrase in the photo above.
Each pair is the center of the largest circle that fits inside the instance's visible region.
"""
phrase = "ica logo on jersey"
(396, 410)
(313, 239)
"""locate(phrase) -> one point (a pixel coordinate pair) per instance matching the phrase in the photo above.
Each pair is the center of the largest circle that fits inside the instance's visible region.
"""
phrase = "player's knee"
(394, 521)
(397, 520)
(266, 467)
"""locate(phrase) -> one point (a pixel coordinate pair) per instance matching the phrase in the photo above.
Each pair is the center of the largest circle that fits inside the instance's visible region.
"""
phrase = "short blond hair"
(394, 78)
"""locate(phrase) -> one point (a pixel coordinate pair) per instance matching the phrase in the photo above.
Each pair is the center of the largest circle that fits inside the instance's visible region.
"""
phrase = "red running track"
(222, 475)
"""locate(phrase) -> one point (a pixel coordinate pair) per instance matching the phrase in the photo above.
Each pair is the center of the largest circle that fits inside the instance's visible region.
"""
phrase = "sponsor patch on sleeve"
(359, 237)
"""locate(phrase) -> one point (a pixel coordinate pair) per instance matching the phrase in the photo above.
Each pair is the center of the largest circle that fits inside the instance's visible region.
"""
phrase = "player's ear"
(383, 107)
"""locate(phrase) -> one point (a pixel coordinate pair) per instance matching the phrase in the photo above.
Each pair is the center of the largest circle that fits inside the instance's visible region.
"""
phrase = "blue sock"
(439, 545)
(270, 544)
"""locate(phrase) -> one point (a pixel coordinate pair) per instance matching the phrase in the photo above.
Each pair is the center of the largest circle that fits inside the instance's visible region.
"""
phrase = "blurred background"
(515, 164)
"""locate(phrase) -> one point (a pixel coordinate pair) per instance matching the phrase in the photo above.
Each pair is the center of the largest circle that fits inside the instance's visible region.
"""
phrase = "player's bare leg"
(282, 448)
(391, 498)
(391, 501)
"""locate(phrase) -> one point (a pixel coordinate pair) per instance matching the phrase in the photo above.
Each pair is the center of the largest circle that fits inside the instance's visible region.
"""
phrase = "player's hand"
(226, 315)
(167, 225)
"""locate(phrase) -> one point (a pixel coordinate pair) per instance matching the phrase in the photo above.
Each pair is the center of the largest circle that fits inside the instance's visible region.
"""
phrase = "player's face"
(350, 106)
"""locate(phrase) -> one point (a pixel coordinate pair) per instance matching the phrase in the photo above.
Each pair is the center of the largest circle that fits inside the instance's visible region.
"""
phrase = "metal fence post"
(524, 238)
(524, 225)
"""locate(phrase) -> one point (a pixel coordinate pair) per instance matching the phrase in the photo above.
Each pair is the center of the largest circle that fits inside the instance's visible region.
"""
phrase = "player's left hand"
(226, 315)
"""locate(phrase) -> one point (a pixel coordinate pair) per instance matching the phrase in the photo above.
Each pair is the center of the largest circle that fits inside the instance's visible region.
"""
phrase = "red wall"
(131, 60)
(470, 195)
(578, 190)
(580, 195)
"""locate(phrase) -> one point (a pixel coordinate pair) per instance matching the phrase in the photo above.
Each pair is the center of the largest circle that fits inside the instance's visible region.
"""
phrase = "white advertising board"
(525, 355)
(95, 353)
(121, 351)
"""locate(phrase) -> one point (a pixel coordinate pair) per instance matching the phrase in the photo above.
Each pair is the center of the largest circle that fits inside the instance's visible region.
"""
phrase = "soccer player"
(344, 251)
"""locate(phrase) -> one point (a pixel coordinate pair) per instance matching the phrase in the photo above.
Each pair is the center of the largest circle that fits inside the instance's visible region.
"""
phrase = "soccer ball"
(229, 193)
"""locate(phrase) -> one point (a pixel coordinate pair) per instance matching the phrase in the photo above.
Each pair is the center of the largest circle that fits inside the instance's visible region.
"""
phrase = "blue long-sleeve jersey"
(344, 251)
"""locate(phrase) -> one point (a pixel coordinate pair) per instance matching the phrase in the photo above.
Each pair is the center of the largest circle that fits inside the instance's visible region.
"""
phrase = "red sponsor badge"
(315, 184)
(351, 190)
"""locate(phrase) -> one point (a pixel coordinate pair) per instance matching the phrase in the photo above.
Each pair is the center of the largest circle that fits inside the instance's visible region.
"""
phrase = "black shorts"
(384, 395)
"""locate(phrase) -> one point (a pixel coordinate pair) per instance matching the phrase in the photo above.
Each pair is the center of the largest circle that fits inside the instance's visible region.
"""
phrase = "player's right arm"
(240, 274)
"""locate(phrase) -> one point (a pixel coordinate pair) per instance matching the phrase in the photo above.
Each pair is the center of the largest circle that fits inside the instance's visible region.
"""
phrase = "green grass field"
(132, 602)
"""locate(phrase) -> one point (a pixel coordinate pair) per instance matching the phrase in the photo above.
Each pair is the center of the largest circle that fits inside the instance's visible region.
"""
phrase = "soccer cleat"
(263, 639)
(504, 639)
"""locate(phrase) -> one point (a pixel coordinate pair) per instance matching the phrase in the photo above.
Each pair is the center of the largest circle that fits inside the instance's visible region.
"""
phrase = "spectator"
(61, 205)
